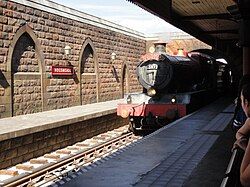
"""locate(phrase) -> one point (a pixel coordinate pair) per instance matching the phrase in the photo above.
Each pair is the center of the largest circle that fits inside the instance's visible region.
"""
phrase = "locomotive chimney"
(160, 46)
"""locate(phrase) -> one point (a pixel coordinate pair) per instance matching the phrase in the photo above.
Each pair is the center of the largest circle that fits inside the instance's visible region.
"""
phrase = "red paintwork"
(155, 109)
(62, 70)
(150, 56)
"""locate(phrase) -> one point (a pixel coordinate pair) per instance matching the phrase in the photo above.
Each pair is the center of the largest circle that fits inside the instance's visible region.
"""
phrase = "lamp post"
(67, 52)
(112, 59)
(113, 56)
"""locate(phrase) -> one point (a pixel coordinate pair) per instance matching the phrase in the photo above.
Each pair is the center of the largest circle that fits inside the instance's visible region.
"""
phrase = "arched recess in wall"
(25, 64)
(89, 76)
(125, 80)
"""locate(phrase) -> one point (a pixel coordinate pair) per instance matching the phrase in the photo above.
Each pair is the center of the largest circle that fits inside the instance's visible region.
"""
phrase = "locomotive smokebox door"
(155, 74)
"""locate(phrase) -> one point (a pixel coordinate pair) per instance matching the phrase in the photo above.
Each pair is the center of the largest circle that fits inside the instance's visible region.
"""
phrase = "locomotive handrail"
(133, 107)
(232, 174)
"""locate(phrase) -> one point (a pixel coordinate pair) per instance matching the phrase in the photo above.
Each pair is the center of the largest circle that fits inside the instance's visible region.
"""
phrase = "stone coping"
(64, 11)
(22, 125)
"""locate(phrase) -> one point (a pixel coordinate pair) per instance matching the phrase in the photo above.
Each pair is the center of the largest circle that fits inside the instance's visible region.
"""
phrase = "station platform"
(29, 136)
(13, 127)
(192, 151)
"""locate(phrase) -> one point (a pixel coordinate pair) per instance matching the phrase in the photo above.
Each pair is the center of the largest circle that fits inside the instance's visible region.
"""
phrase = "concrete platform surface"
(165, 158)
(30, 123)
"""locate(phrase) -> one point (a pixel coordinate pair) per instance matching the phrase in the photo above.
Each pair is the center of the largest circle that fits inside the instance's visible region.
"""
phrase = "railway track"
(47, 169)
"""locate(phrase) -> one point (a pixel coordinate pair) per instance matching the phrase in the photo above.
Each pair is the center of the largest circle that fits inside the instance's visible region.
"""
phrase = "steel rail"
(26, 178)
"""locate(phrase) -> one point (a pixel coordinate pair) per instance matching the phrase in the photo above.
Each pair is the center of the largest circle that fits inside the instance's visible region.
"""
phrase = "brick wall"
(32, 40)
(17, 150)
(27, 95)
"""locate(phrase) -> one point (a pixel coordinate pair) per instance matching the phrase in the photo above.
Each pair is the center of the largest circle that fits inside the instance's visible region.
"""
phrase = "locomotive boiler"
(173, 86)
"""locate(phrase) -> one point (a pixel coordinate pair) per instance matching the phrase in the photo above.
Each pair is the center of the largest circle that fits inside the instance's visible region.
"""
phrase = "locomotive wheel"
(161, 121)
(143, 122)
(131, 128)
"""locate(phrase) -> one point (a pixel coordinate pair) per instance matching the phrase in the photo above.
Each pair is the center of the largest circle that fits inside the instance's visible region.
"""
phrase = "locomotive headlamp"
(151, 92)
(173, 100)
(129, 99)
(113, 56)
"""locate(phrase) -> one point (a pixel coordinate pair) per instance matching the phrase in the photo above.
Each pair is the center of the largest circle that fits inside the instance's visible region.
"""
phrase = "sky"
(123, 13)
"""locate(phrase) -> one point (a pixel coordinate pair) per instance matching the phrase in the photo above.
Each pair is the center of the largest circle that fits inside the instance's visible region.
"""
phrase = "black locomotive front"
(172, 87)
(172, 74)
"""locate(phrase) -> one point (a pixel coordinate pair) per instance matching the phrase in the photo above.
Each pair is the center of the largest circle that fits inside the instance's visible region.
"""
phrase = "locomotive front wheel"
(161, 122)
(143, 122)
(131, 128)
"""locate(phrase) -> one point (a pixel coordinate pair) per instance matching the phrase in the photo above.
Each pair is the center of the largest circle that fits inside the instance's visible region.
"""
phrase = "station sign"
(62, 70)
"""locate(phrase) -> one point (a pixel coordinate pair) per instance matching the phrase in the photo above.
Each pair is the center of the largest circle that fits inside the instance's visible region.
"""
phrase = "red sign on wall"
(62, 70)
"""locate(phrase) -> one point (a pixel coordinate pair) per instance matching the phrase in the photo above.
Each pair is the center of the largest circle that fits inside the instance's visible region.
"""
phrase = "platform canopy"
(214, 22)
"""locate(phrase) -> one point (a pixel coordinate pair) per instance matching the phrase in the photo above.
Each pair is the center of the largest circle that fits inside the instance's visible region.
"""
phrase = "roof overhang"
(211, 21)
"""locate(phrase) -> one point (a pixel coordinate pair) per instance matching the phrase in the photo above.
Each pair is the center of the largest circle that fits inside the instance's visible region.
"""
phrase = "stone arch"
(25, 67)
(88, 73)
(125, 79)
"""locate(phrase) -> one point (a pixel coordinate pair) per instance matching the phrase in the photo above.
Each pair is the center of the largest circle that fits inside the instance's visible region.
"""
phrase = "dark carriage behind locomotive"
(173, 86)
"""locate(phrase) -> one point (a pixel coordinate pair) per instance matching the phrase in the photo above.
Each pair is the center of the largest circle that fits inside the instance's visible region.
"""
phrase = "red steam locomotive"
(173, 86)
